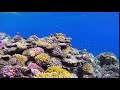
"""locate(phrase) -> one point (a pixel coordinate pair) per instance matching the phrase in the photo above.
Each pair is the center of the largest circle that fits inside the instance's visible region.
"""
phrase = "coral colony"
(52, 57)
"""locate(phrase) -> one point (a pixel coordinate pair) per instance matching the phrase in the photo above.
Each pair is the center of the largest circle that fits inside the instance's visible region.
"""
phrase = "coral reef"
(52, 57)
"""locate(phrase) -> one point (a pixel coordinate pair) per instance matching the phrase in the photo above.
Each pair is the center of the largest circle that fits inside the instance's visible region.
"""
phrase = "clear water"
(95, 31)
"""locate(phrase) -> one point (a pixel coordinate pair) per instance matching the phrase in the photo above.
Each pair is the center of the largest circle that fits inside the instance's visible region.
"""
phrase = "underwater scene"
(59, 45)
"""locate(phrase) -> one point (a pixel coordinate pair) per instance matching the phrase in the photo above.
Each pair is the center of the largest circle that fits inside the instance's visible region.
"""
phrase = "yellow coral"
(53, 75)
(32, 53)
(21, 45)
(87, 68)
(43, 57)
(41, 43)
(57, 69)
(1, 52)
(20, 59)
(60, 38)
(26, 52)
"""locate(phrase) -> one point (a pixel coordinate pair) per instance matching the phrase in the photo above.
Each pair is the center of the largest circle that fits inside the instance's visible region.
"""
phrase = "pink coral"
(35, 66)
(2, 44)
(8, 71)
(86, 57)
(37, 50)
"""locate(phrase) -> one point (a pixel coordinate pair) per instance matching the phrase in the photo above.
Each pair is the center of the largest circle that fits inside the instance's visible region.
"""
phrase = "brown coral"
(20, 59)
(87, 68)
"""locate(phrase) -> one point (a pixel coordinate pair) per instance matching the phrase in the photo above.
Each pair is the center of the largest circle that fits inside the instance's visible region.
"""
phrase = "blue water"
(95, 31)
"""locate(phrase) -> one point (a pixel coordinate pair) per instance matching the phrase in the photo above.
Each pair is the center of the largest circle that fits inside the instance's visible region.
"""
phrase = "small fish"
(18, 33)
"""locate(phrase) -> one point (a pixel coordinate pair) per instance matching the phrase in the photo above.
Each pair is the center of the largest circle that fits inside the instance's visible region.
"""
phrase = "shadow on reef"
(52, 57)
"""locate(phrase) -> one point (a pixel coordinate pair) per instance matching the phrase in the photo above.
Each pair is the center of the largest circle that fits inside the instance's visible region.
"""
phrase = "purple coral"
(2, 44)
(86, 57)
(8, 71)
(57, 51)
(32, 65)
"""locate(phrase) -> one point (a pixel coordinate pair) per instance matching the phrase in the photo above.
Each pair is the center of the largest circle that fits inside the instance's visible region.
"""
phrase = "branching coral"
(20, 59)
(43, 57)
(87, 68)
(33, 51)
(57, 69)
(8, 71)
(54, 75)
(57, 51)
(54, 62)
(36, 50)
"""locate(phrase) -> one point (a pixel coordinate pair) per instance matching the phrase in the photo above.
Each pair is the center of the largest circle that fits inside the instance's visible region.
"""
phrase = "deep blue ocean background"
(95, 31)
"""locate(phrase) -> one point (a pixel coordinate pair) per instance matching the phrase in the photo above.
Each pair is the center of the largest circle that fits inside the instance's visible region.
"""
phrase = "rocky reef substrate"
(52, 57)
